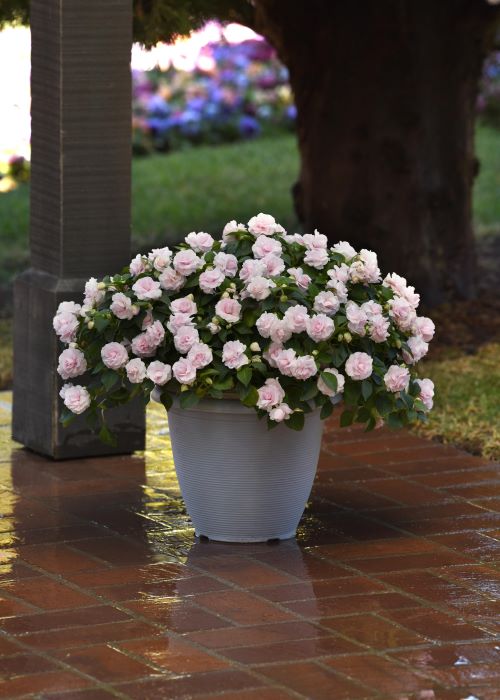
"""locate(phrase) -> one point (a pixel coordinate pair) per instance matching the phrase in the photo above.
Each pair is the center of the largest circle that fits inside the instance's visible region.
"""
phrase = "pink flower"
(424, 327)
(356, 317)
(344, 248)
(402, 313)
(273, 264)
(229, 310)
(251, 268)
(259, 288)
(147, 288)
(227, 263)
(280, 413)
(200, 242)
(426, 392)
(178, 320)
(186, 262)
(233, 354)
(159, 373)
(315, 240)
(280, 331)
(200, 355)
(379, 329)
(285, 362)
(302, 280)
(185, 338)
(211, 279)
(396, 283)
(304, 368)
(138, 265)
(142, 345)
(122, 306)
(136, 371)
(114, 355)
(266, 246)
(160, 257)
(326, 303)
(72, 363)
(171, 280)
(320, 327)
(184, 371)
(65, 325)
(297, 318)
(396, 378)
(184, 305)
(155, 333)
(418, 349)
(272, 353)
(316, 257)
(325, 389)
(265, 322)
(270, 394)
(359, 366)
(76, 398)
(371, 309)
(264, 225)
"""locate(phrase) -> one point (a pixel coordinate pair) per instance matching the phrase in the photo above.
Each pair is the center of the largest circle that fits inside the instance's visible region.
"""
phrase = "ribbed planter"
(240, 481)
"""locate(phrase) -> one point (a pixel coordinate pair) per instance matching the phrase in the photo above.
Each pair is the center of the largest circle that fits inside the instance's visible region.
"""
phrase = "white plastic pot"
(240, 481)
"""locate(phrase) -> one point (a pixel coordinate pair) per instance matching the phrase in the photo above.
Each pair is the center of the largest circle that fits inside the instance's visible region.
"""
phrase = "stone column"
(80, 206)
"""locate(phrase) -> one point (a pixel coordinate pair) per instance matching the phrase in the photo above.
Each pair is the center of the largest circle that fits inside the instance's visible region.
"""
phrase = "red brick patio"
(390, 591)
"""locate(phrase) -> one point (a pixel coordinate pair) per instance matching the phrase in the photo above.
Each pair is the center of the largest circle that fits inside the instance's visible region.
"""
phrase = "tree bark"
(385, 93)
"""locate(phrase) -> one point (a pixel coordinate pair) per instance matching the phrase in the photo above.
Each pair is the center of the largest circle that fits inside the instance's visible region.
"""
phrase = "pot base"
(236, 540)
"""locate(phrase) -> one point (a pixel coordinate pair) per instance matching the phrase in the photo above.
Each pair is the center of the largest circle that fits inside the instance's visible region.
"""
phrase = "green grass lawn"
(201, 188)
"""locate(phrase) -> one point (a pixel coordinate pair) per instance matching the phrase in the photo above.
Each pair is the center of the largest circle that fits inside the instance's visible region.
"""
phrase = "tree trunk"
(385, 93)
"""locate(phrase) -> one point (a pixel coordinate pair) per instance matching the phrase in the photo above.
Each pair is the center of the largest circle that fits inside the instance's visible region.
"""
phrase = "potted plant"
(248, 342)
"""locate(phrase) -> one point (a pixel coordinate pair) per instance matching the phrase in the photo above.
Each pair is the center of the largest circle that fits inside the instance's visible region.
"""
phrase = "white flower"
(227, 263)
(114, 355)
(365, 269)
(171, 280)
(184, 305)
(265, 323)
(280, 331)
(69, 307)
(273, 264)
(320, 327)
(185, 338)
(184, 371)
(356, 317)
(122, 306)
(138, 265)
(76, 398)
(359, 366)
(270, 394)
(200, 355)
(402, 312)
(251, 268)
(93, 293)
(178, 320)
(147, 288)
(315, 240)
(424, 327)
(304, 367)
(65, 325)
(272, 353)
(186, 262)
(297, 318)
(136, 371)
(229, 310)
(396, 378)
(72, 363)
(160, 257)
(344, 248)
(285, 361)
(418, 349)
(211, 279)
(302, 280)
(232, 227)
(316, 257)
(266, 246)
(426, 392)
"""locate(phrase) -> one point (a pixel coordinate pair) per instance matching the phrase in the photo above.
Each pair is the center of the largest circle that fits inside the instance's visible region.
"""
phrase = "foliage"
(282, 321)
(5, 353)
(488, 103)
(236, 92)
(467, 409)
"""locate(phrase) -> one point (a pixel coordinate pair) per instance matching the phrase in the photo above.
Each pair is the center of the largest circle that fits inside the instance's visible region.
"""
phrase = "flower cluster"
(283, 322)
(237, 91)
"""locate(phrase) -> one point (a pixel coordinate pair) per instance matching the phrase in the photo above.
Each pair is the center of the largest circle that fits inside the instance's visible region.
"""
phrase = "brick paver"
(391, 590)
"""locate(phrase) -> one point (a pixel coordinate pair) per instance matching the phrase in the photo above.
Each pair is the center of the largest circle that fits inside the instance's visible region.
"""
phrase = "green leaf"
(330, 380)
(366, 389)
(346, 418)
(101, 323)
(296, 421)
(383, 404)
(394, 420)
(309, 392)
(250, 316)
(352, 392)
(166, 399)
(250, 397)
(106, 436)
(188, 399)
(224, 384)
(109, 379)
(67, 417)
(326, 410)
(244, 375)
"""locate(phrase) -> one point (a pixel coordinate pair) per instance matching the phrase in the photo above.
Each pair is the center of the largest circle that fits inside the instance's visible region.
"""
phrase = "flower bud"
(232, 285)
(340, 337)
(208, 381)
(256, 358)
(347, 337)
(72, 345)
(135, 309)
(255, 347)
(184, 387)
(315, 353)
(101, 285)
(283, 297)
(225, 295)
(398, 344)
(215, 320)
(190, 296)
(90, 325)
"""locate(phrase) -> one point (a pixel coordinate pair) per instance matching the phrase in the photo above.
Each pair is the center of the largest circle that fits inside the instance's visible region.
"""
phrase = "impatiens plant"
(283, 323)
